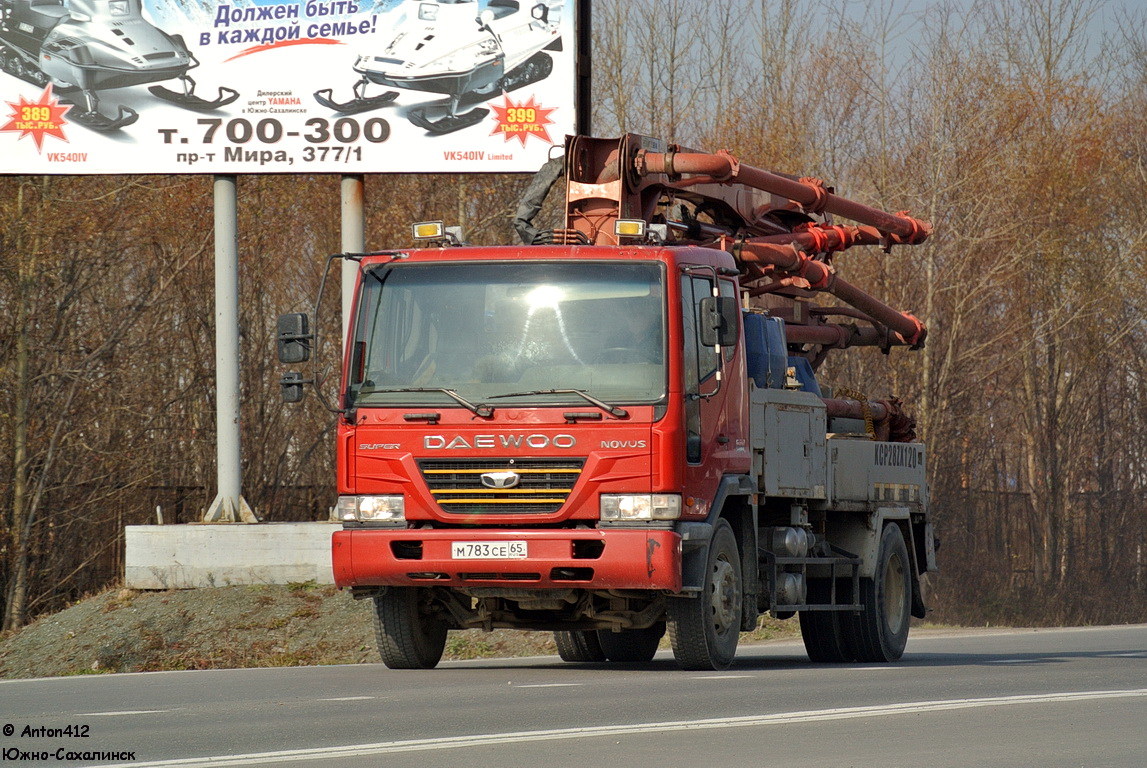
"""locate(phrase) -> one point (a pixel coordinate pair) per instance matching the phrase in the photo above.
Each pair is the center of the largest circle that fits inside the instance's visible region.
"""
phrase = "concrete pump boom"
(764, 219)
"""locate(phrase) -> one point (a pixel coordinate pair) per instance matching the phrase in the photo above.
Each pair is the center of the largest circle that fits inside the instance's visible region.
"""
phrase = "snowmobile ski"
(95, 120)
(447, 124)
(358, 104)
(188, 99)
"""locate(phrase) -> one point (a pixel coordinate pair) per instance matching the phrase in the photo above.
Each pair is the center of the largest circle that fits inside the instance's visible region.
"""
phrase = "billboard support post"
(229, 505)
(353, 238)
(584, 68)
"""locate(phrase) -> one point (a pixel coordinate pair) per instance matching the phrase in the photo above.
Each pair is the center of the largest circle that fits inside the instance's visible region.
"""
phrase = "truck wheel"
(631, 645)
(823, 632)
(579, 645)
(704, 630)
(880, 631)
(410, 634)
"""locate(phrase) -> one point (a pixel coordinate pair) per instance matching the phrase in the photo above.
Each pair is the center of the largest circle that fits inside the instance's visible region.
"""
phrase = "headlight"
(657, 506)
(372, 509)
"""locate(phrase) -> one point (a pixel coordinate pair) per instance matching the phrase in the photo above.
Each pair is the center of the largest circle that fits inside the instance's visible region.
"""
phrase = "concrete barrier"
(219, 555)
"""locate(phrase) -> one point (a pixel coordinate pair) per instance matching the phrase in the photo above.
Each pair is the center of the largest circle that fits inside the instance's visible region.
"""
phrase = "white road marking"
(722, 677)
(550, 685)
(1139, 655)
(489, 739)
(350, 698)
(123, 712)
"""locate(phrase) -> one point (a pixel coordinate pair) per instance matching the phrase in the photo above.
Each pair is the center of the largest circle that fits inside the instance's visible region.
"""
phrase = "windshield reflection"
(485, 330)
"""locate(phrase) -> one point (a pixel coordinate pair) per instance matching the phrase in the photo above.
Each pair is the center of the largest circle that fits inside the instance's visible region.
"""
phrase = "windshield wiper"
(612, 410)
(484, 411)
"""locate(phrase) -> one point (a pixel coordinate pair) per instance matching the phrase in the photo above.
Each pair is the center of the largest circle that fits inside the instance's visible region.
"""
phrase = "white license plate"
(488, 550)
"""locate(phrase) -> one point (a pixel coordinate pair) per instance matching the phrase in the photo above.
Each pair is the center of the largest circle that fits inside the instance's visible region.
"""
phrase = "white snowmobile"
(448, 47)
(86, 46)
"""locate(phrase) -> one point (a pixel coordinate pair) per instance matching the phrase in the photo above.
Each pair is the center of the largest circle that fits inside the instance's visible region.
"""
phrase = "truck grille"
(542, 487)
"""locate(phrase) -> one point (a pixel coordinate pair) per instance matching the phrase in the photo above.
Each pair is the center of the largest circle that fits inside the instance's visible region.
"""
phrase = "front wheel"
(409, 629)
(880, 631)
(704, 630)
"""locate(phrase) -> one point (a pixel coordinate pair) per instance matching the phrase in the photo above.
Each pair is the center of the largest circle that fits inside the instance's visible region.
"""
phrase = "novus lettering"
(623, 444)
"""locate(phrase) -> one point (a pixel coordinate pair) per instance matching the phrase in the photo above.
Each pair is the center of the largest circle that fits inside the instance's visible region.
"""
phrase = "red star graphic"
(38, 119)
(522, 120)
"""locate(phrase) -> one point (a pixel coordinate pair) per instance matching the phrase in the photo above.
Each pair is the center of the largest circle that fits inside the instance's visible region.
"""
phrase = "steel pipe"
(809, 193)
(821, 277)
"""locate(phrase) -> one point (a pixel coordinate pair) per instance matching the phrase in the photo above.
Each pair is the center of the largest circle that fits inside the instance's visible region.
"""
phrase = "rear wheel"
(704, 630)
(631, 645)
(409, 629)
(880, 631)
(579, 645)
(823, 632)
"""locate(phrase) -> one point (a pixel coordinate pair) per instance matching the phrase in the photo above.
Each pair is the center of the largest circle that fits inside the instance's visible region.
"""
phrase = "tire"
(635, 646)
(579, 646)
(409, 631)
(824, 632)
(704, 630)
(880, 631)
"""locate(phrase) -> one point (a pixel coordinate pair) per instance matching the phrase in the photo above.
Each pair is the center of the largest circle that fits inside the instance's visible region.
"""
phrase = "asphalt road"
(1029, 699)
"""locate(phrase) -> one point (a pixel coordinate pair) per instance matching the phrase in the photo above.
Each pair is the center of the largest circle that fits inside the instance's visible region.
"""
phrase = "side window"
(691, 342)
(689, 365)
(728, 288)
(706, 359)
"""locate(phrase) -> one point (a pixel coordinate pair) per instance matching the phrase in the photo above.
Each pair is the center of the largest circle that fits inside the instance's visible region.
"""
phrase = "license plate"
(488, 550)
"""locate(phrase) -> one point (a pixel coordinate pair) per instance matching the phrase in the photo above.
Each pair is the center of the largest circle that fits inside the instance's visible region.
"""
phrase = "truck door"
(708, 427)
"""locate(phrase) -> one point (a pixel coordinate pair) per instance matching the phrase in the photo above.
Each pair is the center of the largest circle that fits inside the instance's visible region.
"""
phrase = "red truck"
(616, 430)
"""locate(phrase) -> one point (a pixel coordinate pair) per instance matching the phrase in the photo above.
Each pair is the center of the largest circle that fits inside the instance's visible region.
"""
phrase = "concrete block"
(218, 555)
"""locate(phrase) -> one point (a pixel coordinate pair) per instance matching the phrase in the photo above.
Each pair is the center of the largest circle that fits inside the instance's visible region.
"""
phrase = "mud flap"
(694, 555)
(919, 610)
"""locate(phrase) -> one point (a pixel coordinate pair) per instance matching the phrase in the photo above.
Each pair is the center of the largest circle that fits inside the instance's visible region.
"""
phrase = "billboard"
(284, 86)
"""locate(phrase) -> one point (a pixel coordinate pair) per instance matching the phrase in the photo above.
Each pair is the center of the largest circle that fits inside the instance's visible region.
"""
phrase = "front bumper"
(556, 558)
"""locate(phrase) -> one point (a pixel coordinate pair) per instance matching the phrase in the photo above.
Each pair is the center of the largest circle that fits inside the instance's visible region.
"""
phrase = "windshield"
(490, 329)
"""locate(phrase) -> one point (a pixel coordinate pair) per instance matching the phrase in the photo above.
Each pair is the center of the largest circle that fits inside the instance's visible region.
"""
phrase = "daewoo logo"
(505, 479)
(443, 442)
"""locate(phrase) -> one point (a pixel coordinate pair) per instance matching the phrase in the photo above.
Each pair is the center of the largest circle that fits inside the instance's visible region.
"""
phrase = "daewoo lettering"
(536, 441)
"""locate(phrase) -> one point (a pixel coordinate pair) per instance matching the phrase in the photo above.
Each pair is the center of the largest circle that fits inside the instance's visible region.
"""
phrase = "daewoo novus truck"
(616, 430)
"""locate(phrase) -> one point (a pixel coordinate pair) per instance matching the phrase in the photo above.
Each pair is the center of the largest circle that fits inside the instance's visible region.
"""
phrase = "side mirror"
(484, 19)
(291, 387)
(293, 338)
(717, 323)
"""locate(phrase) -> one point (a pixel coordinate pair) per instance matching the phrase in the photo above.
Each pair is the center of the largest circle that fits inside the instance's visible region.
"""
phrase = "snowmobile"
(448, 47)
(86, 46)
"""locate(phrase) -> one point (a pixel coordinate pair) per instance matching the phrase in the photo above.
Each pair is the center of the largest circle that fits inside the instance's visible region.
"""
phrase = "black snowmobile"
(86, 46)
